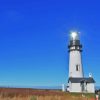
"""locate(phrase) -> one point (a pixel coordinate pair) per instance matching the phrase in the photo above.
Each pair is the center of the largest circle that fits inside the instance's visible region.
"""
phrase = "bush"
(33, 98)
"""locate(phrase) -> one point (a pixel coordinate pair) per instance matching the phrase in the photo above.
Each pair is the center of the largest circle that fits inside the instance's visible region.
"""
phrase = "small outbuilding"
(85, 85)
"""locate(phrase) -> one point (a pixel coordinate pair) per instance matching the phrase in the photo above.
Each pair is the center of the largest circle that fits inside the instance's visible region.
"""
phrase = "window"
(77, 67)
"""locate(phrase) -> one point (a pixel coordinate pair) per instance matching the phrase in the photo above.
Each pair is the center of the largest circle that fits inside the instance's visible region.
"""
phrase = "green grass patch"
(33, 98)
(88, 95)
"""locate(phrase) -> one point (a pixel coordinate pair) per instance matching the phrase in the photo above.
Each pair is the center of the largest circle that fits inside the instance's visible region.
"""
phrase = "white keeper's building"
(77, 82)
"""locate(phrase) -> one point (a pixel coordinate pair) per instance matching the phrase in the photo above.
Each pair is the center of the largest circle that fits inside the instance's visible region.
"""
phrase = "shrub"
(33, 98)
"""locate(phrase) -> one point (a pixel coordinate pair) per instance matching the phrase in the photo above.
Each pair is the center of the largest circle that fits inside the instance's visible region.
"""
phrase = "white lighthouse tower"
(75, 59)
(77, 82)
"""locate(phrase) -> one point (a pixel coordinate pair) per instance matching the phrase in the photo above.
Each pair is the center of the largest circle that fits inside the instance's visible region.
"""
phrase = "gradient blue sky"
(34, 38)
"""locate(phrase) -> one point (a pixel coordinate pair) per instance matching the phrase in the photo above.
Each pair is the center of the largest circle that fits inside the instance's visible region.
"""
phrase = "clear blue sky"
(34, 38)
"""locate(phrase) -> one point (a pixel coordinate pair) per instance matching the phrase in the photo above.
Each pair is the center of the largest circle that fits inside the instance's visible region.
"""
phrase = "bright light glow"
(74, 35)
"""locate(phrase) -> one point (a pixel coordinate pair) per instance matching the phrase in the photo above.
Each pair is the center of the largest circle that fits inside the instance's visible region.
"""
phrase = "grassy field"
(34, 94)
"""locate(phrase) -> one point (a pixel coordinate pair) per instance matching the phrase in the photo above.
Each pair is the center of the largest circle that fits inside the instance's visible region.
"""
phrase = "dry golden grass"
(31, 94)
(45, 97)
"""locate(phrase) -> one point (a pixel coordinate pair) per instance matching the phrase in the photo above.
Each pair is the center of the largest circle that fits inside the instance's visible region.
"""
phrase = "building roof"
(80, 80)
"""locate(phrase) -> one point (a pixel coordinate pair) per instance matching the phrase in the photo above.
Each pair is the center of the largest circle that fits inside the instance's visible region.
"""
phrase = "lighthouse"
(77, 82)
(75, 58)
